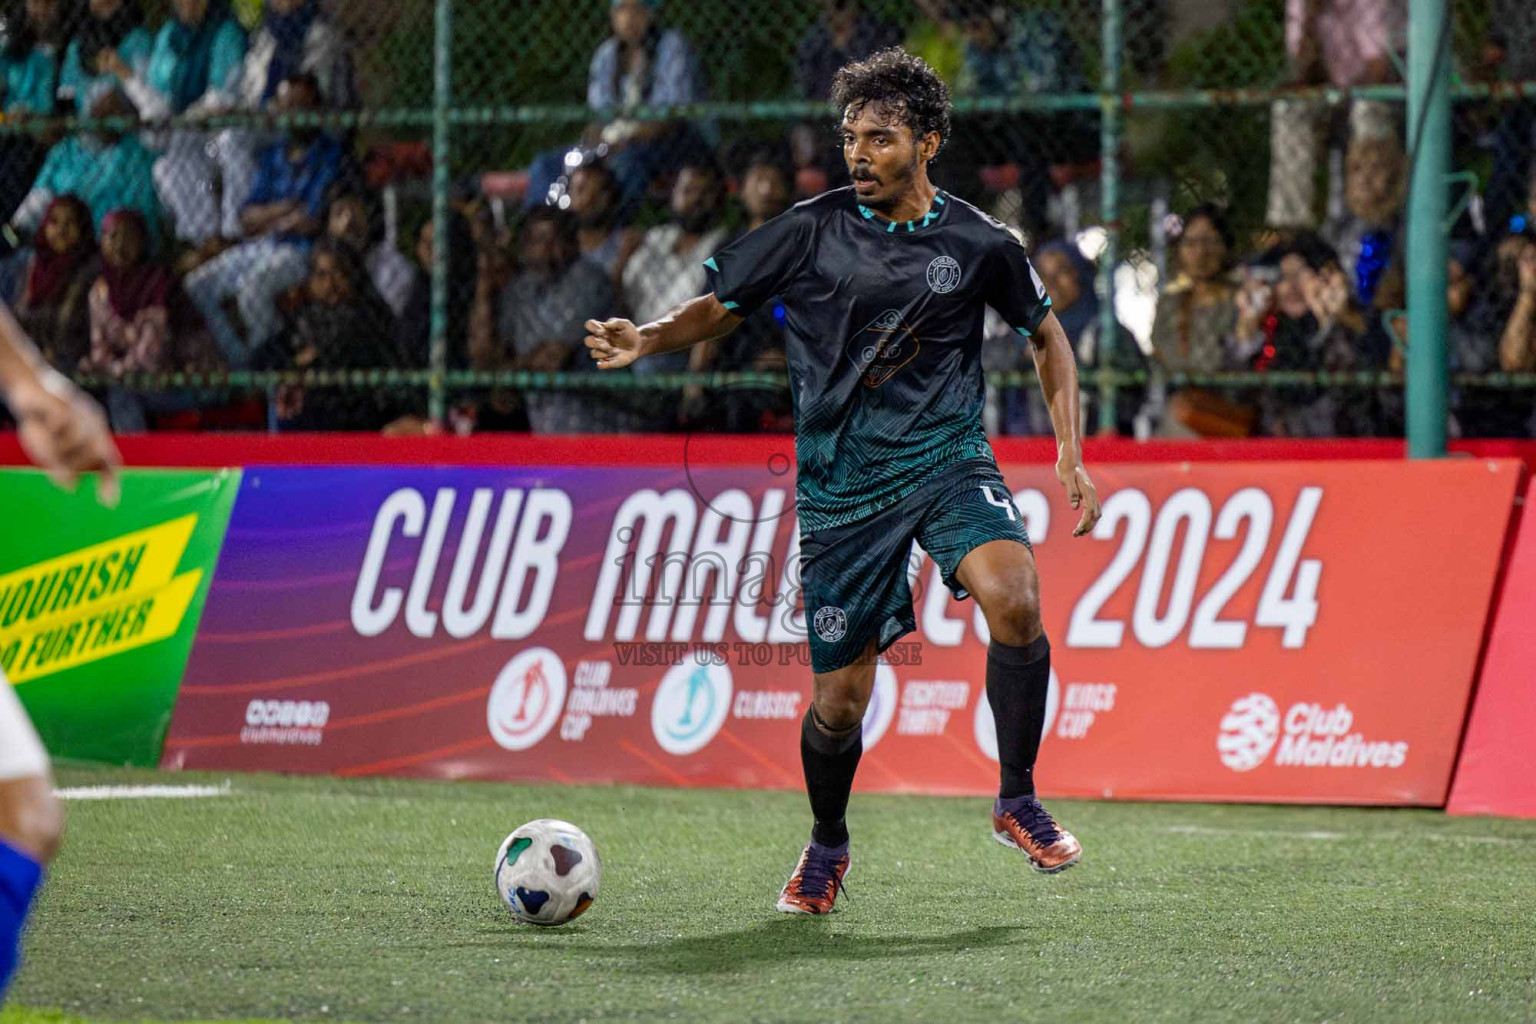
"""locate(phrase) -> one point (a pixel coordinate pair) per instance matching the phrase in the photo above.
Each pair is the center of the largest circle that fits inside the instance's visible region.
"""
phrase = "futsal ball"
(547, 872)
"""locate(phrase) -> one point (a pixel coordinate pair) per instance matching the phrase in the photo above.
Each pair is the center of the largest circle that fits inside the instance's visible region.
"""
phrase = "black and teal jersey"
(883, 325)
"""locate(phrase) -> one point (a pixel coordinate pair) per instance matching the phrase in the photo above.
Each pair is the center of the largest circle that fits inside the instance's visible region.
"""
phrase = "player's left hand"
(65, 433)
(1080, 491)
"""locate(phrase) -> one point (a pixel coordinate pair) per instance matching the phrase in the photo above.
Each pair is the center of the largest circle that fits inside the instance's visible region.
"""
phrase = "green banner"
(98, 606)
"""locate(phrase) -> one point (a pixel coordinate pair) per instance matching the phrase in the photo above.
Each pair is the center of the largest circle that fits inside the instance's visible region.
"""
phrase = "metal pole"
(1109, 199)
(442, 93)
(1429, 104)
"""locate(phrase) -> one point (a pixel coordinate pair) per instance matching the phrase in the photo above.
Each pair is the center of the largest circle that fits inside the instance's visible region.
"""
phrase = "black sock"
(830, 762)
(1018, 679)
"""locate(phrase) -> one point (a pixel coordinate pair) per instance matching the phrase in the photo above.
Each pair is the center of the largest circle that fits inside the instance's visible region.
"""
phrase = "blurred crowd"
(134, 247)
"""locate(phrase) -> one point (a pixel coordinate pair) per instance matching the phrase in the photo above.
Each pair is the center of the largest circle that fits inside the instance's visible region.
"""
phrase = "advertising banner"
(1497, 770)
(98, 606)
(1249, 631)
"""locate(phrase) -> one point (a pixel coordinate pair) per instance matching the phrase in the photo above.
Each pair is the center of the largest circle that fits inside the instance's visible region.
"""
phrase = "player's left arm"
(1056, 366)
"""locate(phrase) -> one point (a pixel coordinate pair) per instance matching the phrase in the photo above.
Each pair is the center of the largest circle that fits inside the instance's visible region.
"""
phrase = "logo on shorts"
(943, 274)
(1248, 732)
(526, 699)
(831, 623)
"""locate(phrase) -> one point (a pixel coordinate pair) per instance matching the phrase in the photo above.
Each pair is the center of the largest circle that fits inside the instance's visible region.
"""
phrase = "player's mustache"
(862, 174)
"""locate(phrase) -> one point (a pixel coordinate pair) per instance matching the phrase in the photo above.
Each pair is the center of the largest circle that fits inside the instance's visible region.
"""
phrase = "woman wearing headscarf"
(294, 37)
(53, 305)
(111, 45)
(29, 78)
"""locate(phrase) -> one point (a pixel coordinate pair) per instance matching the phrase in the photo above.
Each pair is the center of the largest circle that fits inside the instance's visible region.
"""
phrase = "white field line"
(139, 792)
(1206, 830)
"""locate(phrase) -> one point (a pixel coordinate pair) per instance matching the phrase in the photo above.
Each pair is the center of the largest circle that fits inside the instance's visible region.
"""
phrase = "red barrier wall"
(1497, 770)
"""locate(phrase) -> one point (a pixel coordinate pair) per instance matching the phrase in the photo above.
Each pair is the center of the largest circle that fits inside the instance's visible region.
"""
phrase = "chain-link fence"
(224, 214)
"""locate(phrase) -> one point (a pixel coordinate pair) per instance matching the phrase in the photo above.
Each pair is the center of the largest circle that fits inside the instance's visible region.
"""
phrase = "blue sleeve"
(319, 183)
(161, 72)
(262, 184)
(676, 78)
(136, 48)
(71, 76)
(600, 91)
(31, 84)
(50, 177)
(228, 57)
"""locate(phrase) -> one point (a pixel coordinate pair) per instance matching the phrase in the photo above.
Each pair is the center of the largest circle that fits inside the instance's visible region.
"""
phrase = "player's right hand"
(613, 343)
(65, 433)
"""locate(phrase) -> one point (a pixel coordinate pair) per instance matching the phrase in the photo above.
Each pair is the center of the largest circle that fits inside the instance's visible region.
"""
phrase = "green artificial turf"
(332, 900)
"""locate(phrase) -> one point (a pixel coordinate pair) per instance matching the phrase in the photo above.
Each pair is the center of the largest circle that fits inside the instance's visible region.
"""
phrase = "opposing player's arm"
(1056, 366)
(62, 430)
(617, 343)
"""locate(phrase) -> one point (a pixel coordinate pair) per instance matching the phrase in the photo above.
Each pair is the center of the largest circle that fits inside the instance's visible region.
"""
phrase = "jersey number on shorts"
(1005, 503)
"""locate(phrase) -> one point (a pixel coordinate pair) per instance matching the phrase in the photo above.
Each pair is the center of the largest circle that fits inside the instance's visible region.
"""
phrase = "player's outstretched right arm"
(62, 430)
(617, 343)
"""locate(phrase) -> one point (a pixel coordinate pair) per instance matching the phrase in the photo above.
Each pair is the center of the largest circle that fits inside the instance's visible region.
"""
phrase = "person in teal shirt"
(111, 45)
(108, 170)
(29, 76)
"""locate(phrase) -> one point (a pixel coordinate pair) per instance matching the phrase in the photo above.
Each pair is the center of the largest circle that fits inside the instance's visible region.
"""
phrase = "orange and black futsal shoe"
(1024, 825)
(817, 881)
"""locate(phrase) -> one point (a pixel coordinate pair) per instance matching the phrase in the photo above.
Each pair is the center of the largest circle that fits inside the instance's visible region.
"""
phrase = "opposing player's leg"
(857, 602)
(976, 534)
(31, 825)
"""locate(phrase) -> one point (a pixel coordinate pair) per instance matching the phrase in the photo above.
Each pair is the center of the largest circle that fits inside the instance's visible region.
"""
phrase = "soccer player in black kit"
(884, 286)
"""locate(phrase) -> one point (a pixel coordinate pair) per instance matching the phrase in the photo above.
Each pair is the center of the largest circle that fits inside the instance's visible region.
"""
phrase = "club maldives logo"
(1310, 735)
(943, 274)
(985, 725)
(882, 706)
(1248, 732)
(690, 706)
(526, 699)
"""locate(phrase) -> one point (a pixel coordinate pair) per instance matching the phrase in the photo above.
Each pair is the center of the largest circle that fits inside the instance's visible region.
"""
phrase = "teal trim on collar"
(911, 225)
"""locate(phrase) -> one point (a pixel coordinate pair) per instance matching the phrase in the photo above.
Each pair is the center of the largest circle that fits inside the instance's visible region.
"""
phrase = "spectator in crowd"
(295, 38)
(938, 37)
(641, 63)
(1010, 54)
(413, 333)
(109, 169)
(1344, 43)
(110, 46)
(1195, 316)
(594, 196)
(193, 71)
(1509, 53)
(1517, 345)
(757, 344)
(1374, 193)
(843, 32)
(1294, 313)
(54, 301)
(340, 324)
(543, 311)
(135, 319)
(281, 219)
(29, 74)
(1069, 279)
(668, 266)
(354, 217)
(1474, 332)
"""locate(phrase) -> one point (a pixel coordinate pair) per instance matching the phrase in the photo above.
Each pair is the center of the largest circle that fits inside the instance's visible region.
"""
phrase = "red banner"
(1253, 631)
(1496, 773)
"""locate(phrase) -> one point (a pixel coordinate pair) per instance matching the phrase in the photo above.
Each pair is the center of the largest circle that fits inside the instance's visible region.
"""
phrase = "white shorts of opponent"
(21, 753)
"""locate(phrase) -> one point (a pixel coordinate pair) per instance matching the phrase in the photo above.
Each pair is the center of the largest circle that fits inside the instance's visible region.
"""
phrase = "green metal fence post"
(1109, 200)
(1429, 127)
(442, 94)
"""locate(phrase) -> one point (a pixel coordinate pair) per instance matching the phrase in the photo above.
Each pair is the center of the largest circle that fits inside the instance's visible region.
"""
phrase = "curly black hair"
(903, 88)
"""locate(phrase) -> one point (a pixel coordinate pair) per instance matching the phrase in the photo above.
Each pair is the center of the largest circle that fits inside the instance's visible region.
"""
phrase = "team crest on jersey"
(943, 274)
(884, 347)
(831, 623)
